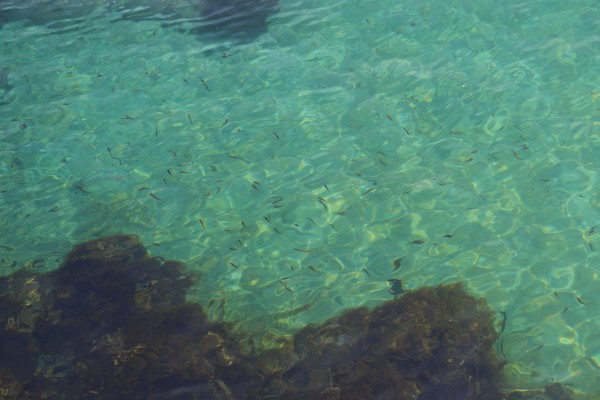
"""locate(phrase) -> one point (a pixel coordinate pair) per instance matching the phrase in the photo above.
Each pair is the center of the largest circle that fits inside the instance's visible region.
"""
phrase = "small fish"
(503, 324)
(205, 85)
(302, 250)
(322, 201)
(366, 272)
(396, 288)
(113, 157)
(80, 186)
(397, 263)
(154, 196)
(536, 349)
(284, 283)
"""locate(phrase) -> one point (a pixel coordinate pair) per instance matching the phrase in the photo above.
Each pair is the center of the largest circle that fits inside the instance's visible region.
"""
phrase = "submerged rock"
(112, 323)
(238, 20)
(241, 20)
(431, 343)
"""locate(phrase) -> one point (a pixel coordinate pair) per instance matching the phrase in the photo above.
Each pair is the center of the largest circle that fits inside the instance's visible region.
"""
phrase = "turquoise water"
(295, 169)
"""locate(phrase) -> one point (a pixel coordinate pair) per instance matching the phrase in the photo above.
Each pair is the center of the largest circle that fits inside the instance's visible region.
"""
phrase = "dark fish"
(397, 286)
(238, 20)
(503, 323)
(5, 87)
(536, 349)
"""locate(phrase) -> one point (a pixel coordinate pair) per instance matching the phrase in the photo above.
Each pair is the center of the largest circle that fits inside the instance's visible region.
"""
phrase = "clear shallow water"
(459, 138)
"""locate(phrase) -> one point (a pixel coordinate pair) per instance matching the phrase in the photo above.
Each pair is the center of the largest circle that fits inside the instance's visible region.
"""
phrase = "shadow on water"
(58, 16)
(112, 323)
(236, 20)
(241, 21)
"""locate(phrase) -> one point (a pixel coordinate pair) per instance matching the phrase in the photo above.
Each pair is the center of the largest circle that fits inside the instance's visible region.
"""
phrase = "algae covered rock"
(431, 343)
(112, 323)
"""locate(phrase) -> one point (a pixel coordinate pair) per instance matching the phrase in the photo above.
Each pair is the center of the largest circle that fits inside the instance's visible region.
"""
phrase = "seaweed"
(432, 343)
(112, 323)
